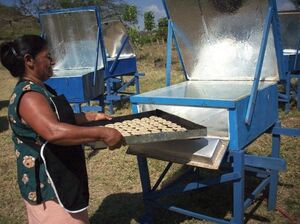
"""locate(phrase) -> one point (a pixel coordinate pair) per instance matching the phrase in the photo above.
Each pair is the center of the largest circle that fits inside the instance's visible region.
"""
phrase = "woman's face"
(43, 64)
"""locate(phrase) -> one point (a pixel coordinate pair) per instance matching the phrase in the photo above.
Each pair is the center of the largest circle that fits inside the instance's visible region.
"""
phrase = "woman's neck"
(33, 79)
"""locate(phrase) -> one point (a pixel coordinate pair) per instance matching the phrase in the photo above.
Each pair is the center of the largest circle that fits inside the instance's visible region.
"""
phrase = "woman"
(50, 161)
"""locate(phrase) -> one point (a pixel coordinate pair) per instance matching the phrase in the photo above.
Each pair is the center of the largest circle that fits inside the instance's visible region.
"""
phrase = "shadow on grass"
(3, 120)
(215, 201)
(119, 105)
(3, 103)
(118, 208)
(3, 124)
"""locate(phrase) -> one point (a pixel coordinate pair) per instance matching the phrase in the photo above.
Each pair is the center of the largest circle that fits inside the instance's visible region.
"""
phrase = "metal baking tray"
(193, 130)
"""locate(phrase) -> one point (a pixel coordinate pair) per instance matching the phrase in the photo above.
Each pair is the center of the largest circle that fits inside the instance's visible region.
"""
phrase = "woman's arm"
(85, 117)
(35, 110)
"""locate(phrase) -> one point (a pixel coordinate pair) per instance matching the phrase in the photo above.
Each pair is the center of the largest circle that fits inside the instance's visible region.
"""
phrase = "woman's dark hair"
(12, 53)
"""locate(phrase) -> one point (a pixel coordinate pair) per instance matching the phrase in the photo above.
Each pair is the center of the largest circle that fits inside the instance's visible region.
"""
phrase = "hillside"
(14, 24)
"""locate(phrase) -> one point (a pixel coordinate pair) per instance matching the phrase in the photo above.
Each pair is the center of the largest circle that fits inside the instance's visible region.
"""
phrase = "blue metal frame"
(119, 68)
(116, 61)
(77, 9)
(112, 70)
(99, 41)
(171, 36)
(289, 71)
(259, 65)
(277, 41)
(81, 96)
(249, 118)
(272, 18)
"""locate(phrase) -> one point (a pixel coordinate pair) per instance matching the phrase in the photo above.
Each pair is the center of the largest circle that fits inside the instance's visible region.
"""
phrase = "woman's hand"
(82, 118)
(101, 116)
(113, 139)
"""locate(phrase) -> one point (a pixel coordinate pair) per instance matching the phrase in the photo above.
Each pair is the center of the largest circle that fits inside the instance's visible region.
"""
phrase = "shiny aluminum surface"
(114, 33)
(290, 29)
(210, 90)
(72, 38)
(72, 72)
(219, 41)
(216, 120)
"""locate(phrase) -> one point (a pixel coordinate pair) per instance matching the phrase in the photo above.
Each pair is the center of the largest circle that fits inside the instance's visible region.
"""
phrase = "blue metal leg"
(147, 218)
(137, 85)
(274, 173)
(298, 92)
(288, 93)
(238, 188)
(76, 107)
(108, 93)
(111, 107)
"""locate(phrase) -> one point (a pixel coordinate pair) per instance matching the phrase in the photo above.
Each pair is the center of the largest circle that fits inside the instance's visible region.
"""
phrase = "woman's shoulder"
(25, 86)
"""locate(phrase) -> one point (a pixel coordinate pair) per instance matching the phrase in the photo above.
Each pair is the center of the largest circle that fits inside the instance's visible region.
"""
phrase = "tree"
(130, 14)
(297, 3)
(149, 21)
(109, 8)
(32, 7)
(135, 36)
(162, 30)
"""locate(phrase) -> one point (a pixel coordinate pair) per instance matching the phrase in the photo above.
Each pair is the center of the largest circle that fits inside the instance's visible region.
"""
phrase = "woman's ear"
(28, 61)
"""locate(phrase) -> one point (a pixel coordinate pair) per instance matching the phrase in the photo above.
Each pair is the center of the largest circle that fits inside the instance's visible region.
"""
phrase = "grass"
(13, 24)
(114, 178)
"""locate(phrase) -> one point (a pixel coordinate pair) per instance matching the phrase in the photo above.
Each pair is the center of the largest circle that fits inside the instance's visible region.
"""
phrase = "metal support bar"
(136, 75)
(277, 40)
(169, 54)
(288, 91)
(100, 42)
(283, 97)
(179, 53)
(257, 191)
(252, 100)
(193, 185)
(130, 82)
(261, 173)
(297, 54)
(190, 213)
(161, 177)
(274, 173)
(265, 162)
(97, 55)
(171, 37)
(116, 61)
(286, 131)
(238, 187)
(146, 187)
(184, 175)
(137, 83)
(298, 93)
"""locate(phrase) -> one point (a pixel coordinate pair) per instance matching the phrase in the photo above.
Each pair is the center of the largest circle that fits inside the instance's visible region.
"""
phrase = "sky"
(150, 5)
